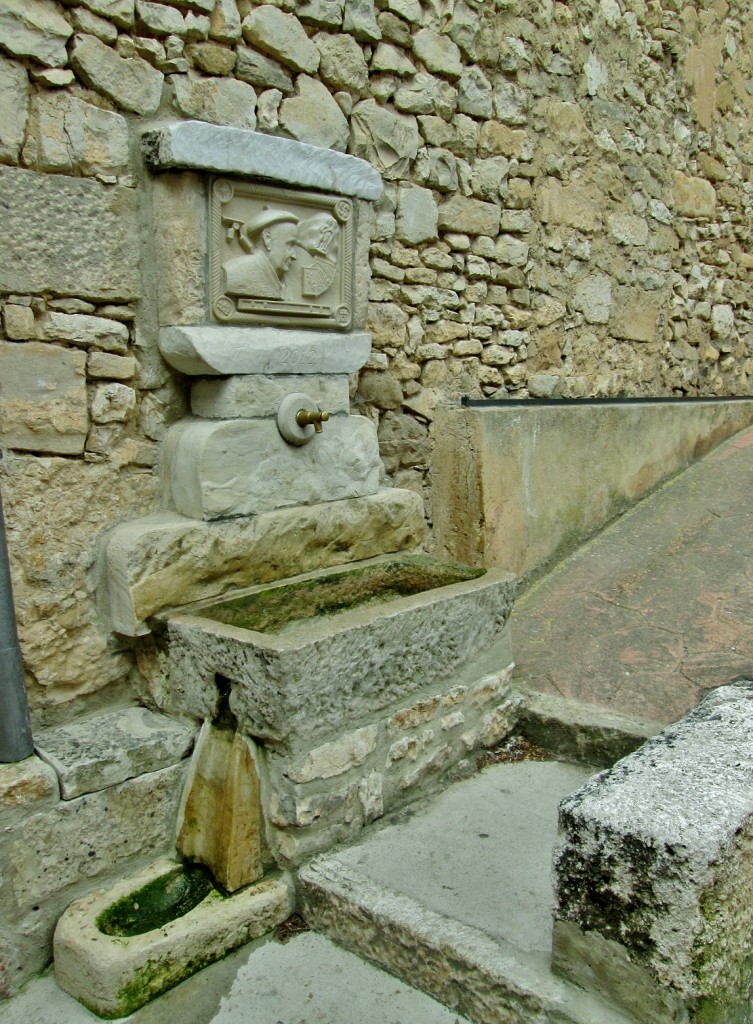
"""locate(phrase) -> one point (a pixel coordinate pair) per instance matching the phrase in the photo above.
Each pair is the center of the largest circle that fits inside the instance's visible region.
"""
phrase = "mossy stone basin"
(306, 655)
(160, 901)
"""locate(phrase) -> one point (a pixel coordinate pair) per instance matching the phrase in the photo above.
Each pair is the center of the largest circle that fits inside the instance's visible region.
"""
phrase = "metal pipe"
(15, 727)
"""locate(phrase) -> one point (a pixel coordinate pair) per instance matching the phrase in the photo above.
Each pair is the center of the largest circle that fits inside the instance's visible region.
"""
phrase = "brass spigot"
(306, 417)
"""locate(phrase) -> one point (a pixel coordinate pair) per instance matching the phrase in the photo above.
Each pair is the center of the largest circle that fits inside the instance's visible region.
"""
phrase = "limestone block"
(343, 65)
(438, 53)
(636, 314)
(98, 832)
(221, 823)
(118, 11)
(391, 60)
(14, 108)
(417, 215)
(103, 364)
(380, 389)
(694, 197)
(470, 216)
(36, 29)
(68, 236)
(388, 324)
(243, 467)
(335, 758)
(249, 396)
(359, 18)
(438, 169)
(83, 331)
(114, 976)
(281, 36)
(408, 9)
(653, 870)
(576, 206)
(112, 403)
(19, 322)
(217, 100)
(426, 94)
(194, 145)
(43, 404)
(167, 560)
(179, 249)
(512, 252)
(495, 139)
(267, 350)
(157, 19)
(313, 116)
(258, 70)
(225, 24)
(26, 787)
(628, 229)
(99, 752)
(130, 82)
(475, 93)
(67, 134)
(363, 661)
(722, 321)
(388, 140)
(593, 297)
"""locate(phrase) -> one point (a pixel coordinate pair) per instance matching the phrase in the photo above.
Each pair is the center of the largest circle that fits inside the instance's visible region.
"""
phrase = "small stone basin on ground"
(308, 656)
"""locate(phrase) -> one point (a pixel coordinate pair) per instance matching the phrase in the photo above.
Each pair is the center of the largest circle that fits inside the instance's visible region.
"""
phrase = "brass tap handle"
(304, 417)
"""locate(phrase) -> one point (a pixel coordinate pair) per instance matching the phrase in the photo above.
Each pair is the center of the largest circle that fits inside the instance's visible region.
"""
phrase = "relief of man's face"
(279, 241)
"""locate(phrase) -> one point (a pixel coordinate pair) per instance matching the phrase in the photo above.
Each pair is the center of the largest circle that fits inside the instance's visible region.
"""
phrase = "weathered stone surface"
(193, 145)
(222, 101)
(593, 297)
(98, 831)
(438, 53)
(386, 139)
(69, 135)
(243, 467)
(391, 60)
(96, 753)
(376, 656)
(131, 83)
(313, 116)
(495, 139)
(475, 93)
(471, 216)
(426, 94)
(14, 108)
(417, 215)
(27, 785)
(380, 389)
(115, 976)
(158, 19)
(83, 330)
(343, 65)
(636, 314)
(388, 324)
(118, 11)
(337, 757)
(221, 823)
(104, 364)
(573, 205)
(68, 235)
(694, 197)
(628, 229)
(281, 36)
(258, 395)
(225, 25)
(112, 403)
(359, 18)
(667, 833)
(261, 71)
(167, 560)
(43, 405)
(36, 29)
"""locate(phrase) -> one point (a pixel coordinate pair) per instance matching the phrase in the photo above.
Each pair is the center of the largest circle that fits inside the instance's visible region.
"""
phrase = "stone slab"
(655, 858)
(217, 468)
(318, 676)
(259, 395)
(114, 975)
(95, 753)
(43, 400)
(68, 236)
(194, 145)
(216, 351)
(166, 560)
(457, 899)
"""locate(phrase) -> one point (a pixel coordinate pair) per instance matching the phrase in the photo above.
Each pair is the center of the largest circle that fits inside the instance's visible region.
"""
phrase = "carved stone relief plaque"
(280, 257)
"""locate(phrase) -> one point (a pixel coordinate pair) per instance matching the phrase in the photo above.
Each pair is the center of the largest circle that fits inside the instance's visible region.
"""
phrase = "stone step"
(457, 898)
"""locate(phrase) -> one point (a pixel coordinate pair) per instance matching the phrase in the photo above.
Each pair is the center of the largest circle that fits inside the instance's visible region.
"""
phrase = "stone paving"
(656, 608)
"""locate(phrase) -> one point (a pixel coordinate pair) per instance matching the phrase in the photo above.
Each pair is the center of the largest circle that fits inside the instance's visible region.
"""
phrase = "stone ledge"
(653, 870)
(167, 560)
(196, 145)
(93, 754)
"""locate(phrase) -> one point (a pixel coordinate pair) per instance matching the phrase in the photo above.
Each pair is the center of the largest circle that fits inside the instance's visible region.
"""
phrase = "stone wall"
(567, 213)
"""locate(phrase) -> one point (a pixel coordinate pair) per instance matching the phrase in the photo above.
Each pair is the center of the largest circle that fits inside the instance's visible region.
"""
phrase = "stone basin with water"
(311, 655)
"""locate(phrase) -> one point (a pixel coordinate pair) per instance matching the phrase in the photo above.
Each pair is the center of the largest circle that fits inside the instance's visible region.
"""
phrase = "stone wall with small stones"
(567, 213)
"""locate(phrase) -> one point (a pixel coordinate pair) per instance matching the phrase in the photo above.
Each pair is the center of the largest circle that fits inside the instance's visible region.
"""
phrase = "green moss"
(271, 609)
(156, 904)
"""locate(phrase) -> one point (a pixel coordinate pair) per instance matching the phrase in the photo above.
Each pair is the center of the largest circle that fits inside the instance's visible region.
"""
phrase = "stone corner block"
(654, 867)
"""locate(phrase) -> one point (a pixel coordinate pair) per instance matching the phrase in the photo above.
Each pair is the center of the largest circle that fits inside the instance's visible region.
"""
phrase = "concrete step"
(456, 899)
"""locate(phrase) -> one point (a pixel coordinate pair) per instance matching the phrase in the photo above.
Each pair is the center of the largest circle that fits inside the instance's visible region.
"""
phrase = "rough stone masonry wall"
(567, 212)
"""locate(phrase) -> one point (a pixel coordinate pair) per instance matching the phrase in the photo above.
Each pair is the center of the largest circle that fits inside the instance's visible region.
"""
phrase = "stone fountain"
(279, 598)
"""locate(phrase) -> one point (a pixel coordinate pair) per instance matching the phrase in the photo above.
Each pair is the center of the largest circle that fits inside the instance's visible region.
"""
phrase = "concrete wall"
(518, 487)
